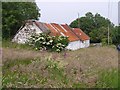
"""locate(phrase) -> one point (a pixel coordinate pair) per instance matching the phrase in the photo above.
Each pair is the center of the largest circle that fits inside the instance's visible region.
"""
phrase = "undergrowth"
(108, 79)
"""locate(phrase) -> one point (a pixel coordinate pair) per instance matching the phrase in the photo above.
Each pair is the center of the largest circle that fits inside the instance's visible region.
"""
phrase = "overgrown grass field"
(93, 67)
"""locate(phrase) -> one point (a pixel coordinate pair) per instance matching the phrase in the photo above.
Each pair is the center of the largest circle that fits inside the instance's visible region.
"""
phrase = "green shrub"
(46, 42)
(105, 41)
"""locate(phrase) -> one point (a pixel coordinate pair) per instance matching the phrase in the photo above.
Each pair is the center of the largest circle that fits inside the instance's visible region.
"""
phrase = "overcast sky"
(65, 11)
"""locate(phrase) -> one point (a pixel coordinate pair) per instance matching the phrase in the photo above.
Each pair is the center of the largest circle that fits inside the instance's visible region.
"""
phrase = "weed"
(37, 69)
(108, 78)
(78, 85)
(57, 73)
(14, 79)
(11, 63)
(9, 44)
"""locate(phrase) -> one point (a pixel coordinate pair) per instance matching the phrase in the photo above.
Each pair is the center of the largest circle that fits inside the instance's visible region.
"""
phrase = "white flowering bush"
(44, 41)
(60, 42)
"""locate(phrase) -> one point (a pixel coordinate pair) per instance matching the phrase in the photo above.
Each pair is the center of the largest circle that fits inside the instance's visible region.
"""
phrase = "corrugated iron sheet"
(71, 35)
(53, 31)
(41, 26)
(80, 34)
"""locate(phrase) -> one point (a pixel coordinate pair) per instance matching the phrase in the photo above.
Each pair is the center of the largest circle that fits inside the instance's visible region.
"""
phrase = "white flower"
(51, 41)
(53, 46)
(57, 50)
(41, 38)
(44, 43)
(48, 43)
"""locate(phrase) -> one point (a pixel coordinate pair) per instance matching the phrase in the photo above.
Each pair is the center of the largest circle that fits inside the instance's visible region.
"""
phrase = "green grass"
(53, 70)
(56, 74)
(79, 85)
(108, 79)
(11, 63)
(14, 79)
(17, 78)
(9, 44)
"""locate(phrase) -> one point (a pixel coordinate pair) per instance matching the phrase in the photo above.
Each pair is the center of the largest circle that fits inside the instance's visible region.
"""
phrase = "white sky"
(65, 11)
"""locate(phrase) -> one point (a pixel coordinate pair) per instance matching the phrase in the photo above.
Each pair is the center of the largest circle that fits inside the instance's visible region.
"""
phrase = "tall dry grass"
(82, 65)
(93, 56)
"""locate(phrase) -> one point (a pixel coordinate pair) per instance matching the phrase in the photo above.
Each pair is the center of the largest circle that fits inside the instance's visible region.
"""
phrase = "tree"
(100, 34)
(14, 14)
(89, 15)
(86, 23)
(116, 35)
(95, 26)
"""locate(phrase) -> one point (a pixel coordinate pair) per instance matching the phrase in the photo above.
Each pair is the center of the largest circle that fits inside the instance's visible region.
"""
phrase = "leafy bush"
(44, 41)
(105, 41)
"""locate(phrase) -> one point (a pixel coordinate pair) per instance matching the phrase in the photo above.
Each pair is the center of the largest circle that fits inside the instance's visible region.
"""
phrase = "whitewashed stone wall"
(73, 45)
(25, 33)
(78, 44)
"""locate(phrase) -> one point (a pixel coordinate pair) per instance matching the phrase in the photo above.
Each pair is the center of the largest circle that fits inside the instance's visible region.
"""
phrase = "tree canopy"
(96, 26)
(116, 35)
(14, 14)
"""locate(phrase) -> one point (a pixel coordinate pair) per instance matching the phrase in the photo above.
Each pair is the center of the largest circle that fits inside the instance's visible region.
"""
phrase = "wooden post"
(78, 21)
(108, 23)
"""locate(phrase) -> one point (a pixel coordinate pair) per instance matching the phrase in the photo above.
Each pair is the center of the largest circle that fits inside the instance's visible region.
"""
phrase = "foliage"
(79, 85)
(18, 78)
(32, 73)
(116, 35)
(57, 72)
(96, 26)
(9, 44)
(105, 41)
(108, 78)
(15, 78)
(35, 69)
(46, 42)
(97, 35)
(14, 14)
(90, 22)
(17, 62)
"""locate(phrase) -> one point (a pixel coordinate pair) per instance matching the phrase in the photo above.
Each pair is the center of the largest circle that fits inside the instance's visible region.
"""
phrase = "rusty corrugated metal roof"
(41, 26)
(73, 34)
(53, 31)
(70, 34)
(80, 34)
(57, 29)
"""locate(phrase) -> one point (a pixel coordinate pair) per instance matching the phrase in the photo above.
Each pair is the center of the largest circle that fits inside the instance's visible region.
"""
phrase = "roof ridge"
(83, 32)
(58, 29)
(74, 32)
(83, 35)
(65, 26)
